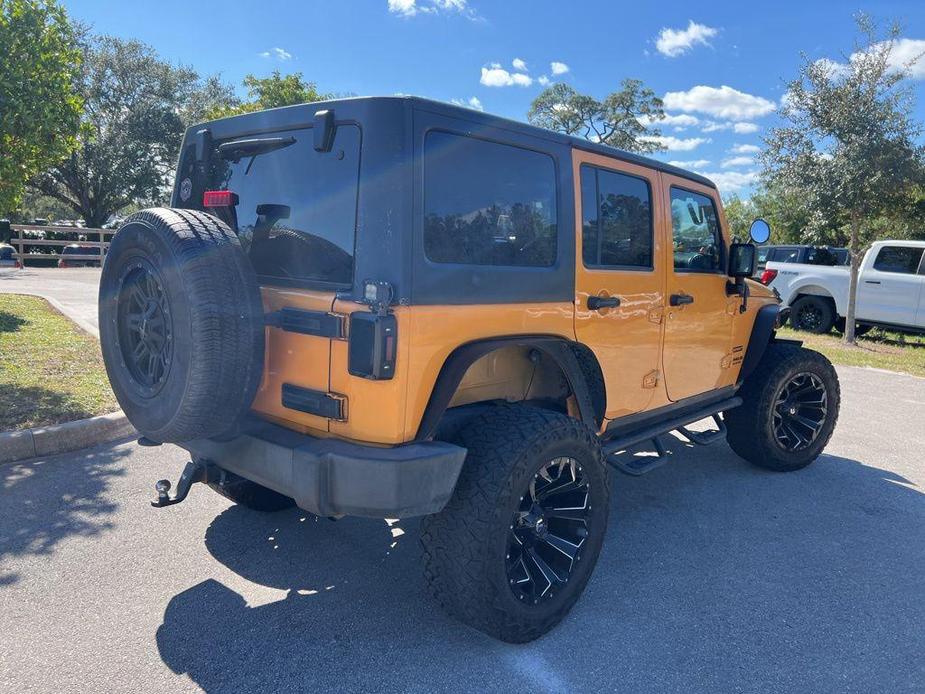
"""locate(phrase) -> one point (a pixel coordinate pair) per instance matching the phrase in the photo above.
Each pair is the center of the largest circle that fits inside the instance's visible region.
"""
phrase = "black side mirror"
(742, 260)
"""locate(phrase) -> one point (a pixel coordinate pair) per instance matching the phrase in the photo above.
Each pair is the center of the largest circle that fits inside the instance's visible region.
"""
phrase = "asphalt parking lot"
(716, 577)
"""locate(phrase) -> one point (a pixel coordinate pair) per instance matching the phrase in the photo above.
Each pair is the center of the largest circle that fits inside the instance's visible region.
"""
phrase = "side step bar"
(651, 433)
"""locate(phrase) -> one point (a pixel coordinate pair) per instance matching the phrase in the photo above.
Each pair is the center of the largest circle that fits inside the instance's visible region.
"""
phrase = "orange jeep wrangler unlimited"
(392, 307)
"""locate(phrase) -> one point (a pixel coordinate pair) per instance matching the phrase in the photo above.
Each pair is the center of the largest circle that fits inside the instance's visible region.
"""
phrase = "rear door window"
(616, 220)
(899, 259)
(487, 203)
(296, 207)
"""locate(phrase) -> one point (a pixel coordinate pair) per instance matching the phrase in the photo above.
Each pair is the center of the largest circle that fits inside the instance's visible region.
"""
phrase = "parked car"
(68, 254)
(7, 257)
(811, 255)
(890, 293)
(406, 324)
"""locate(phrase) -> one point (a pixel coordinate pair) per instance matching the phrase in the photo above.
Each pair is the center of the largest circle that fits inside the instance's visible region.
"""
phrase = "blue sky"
(721, 66)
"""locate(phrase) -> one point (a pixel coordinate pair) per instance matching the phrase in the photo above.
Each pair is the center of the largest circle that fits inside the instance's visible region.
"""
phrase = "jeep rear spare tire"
(181, 325)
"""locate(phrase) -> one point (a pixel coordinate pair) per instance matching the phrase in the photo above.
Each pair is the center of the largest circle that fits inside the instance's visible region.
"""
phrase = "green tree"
(621, 120)
(739, 215)
(269, 92)
(137, 107)
(848, 146)
(39, 105)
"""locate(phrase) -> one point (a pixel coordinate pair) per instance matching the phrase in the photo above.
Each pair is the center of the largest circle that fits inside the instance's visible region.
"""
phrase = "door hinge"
(655, 315)
(650, 380)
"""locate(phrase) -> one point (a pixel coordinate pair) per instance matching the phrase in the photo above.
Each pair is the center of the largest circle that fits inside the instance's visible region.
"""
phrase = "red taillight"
(768, 276)
(62, 263)
(219, 198)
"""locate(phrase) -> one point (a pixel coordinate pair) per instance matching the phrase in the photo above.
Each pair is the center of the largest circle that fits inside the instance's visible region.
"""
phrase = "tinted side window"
(487, 203)
(296, 209)
(901, 259)
(617, 219)
(698, 242)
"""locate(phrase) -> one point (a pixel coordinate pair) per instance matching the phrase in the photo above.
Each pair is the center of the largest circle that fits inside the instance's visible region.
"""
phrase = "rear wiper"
(236, 150)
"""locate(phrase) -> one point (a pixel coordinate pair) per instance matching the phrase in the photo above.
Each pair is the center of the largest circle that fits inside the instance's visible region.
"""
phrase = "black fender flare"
(559, 349)
(762, 334)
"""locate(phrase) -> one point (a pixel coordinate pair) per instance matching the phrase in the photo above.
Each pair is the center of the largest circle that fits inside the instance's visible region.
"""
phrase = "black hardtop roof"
(304, 112)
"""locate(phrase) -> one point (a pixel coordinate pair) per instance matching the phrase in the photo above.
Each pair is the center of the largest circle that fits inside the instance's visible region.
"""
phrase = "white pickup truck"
(891, 289)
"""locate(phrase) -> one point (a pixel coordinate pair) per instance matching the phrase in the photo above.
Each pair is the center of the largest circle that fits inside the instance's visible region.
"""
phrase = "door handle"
(596, 303)
(680, 299)
(871, 281)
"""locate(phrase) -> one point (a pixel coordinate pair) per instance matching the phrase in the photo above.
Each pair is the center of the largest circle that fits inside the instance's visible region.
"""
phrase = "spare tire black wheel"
(181, 325)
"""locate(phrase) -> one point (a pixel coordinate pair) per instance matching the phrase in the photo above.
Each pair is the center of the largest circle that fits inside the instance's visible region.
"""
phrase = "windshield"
(296, 207)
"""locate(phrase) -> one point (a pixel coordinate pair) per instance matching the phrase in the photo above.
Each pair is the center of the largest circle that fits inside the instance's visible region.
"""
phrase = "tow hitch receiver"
(195, 471)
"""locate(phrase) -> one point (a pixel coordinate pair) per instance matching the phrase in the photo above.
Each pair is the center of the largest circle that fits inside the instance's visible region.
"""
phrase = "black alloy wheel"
(800, 411)
(548, 530)
(809, 317)
(144, 327)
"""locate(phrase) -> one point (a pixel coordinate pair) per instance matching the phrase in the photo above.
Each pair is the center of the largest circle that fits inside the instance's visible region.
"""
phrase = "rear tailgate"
(294, 210)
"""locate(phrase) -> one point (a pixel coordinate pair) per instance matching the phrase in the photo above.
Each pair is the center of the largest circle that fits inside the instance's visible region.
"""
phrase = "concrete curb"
(61, 438)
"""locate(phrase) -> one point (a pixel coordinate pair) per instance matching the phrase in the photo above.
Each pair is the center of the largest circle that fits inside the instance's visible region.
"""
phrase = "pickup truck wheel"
(515, 546)
(813, 314)
(181, 325)
(250, 494)
(789, 410)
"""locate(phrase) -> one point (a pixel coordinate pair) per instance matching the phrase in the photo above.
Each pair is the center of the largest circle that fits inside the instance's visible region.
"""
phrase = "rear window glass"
(296, 208)
(900, 259)
(6, 252)
(487, 203)
(616, 219)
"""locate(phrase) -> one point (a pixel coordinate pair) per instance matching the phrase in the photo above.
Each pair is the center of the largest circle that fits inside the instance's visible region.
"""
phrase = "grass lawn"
(50, 370)
(881, 349)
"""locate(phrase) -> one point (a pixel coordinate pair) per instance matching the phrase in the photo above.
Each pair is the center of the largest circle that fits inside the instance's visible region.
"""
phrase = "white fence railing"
(20, 242)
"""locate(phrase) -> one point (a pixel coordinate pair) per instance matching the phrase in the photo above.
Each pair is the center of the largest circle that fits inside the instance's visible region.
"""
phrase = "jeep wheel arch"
(579, 368)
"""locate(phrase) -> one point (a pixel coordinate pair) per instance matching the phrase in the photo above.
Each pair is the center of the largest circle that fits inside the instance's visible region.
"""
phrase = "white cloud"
(496, 76)
(519, 64)
(721, 102)
(711, 126)
(543, 80)
(557, 68)
(731, 181)
(745, 149)
(694, 164)
(679, 122)
(410, 8)
(675, 42)
(674, 144)
(737, 161)
(279, 53)
(472, 102)
(745, 128)
(906, 55)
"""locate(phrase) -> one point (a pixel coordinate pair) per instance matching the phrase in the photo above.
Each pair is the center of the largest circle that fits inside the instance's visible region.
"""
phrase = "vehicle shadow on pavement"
(716, 576)
(36, 516)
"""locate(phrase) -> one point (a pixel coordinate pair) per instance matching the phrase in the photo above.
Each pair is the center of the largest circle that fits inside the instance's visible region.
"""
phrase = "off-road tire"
(250, 494)
(465, 545)
(813, 314)
(750, 427)
(208, 306)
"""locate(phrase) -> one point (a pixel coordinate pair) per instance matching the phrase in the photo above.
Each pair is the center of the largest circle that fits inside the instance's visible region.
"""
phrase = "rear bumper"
(330, 477)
